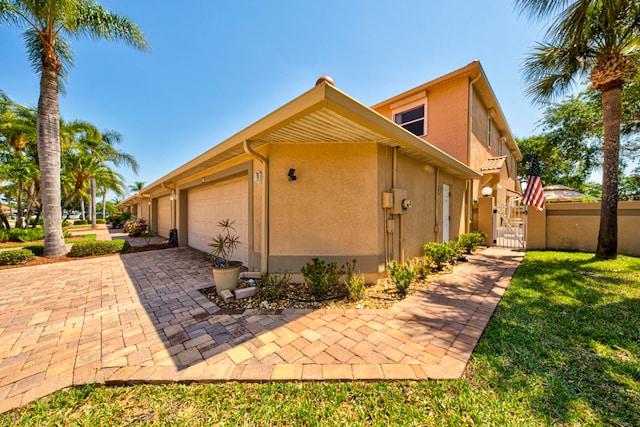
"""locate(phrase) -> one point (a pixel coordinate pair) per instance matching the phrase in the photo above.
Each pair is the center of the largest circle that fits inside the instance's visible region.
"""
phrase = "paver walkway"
(140, 318)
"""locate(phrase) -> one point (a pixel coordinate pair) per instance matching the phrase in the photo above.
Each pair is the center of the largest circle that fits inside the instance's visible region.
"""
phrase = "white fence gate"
(510, 226)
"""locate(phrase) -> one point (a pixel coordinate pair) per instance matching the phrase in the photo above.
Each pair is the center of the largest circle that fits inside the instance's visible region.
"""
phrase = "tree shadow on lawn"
(565, 341)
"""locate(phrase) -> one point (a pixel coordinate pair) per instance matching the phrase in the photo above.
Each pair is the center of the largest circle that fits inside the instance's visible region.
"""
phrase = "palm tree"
(598, 39)
(136, 187)
(45, 24)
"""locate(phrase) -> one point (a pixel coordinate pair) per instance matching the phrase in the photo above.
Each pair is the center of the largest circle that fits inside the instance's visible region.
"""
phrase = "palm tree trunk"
(611, 116)
(93, 203)
(19, 221)
(104, 203)
(49, 158)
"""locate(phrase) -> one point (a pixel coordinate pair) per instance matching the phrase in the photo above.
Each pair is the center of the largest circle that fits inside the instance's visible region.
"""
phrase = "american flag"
(534, 195)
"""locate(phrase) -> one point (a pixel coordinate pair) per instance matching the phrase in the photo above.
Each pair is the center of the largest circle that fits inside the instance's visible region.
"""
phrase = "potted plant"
(223, 245)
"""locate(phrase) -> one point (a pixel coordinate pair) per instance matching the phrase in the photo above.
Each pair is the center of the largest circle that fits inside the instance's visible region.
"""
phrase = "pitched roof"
(493, 164)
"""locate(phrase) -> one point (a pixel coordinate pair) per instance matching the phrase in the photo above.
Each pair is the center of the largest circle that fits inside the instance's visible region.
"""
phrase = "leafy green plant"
(100, 221)
(320, 277)
(4, 235)
(37, 249)
(147, 236)
(438, 253)
(470, 241)
(16, 256)
(274, 286)
(356, 287)
(80, 222)
(98, 247)
(455, 250)
(224, 244)
(421, 267)
(26, 234)
(401, 275)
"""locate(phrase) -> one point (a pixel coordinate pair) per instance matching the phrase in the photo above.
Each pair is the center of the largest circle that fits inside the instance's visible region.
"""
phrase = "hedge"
(16, 256)
(98, 247)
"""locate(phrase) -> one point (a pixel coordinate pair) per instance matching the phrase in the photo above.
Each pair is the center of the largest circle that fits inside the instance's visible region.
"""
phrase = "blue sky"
(216, 67)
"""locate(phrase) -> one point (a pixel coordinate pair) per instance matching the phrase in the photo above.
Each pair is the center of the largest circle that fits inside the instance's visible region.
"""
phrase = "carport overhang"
(323, 114)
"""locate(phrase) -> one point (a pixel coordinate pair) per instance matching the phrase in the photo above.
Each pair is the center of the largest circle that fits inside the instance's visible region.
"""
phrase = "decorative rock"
(227, 296)
(245, 292)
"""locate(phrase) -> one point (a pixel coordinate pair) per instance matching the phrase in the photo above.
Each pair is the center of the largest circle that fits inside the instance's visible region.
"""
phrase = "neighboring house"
(459, 114)
(327, 176)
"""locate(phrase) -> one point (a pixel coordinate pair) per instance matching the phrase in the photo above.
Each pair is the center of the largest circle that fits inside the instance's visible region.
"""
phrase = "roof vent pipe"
(327, 79)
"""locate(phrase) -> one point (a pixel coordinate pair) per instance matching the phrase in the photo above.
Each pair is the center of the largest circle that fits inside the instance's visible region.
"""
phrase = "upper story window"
(411, 113)
(412, 120)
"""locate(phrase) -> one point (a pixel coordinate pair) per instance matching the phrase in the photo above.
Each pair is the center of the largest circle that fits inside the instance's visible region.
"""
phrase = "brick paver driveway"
(140, 318)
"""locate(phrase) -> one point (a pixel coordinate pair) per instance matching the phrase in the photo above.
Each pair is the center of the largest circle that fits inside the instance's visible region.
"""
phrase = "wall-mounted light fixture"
(257, 177)
(291, 175)
(487, 191)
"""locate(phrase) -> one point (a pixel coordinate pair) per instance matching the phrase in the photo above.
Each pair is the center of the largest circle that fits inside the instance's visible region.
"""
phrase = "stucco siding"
(331, 208)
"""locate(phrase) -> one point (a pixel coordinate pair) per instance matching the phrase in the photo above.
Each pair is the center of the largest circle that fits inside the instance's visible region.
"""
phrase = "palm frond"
(94, 21)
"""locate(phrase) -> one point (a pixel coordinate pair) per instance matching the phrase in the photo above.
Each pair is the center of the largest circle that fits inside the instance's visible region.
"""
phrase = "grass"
(563, 348)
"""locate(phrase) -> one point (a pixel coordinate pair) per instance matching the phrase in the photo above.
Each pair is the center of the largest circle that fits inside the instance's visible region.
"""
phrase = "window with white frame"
(412, 120)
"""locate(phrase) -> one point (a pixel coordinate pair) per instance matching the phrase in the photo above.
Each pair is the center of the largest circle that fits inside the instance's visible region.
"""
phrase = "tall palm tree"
(46, 24)
(600, 40)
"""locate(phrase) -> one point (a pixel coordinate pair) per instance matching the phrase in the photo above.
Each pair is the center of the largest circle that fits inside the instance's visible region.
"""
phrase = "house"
(459, 114)
(327, 176)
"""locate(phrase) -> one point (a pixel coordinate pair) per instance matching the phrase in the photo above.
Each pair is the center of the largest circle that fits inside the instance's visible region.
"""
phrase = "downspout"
(264, 255)
(436, 226)
(470, 185)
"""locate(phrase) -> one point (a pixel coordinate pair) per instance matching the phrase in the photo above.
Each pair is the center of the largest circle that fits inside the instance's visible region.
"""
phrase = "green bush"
(98, 247)
(4, 235)
(470, 241)
(32, 221)
(401, 275)
(321, 277)
(37, 249)
(100, 221)
(456, 251)
(356, 287)
(274, 286)
(66, 223)
(80, 222)
(17, 256)
(26, 234)
(438, 253)
(421, 267)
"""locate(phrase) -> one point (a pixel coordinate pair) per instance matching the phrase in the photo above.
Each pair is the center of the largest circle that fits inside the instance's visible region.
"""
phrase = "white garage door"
(164, 216)
(208, 205)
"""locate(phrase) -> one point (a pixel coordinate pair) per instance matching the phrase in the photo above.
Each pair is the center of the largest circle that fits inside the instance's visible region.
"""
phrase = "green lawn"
(562, 349)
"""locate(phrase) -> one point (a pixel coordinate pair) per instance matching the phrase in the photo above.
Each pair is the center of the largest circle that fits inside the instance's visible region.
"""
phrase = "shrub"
(4, 235)
(100, 221)
(274, 286)
(37, 249)
(80, 222)
(97, 247)
(17, 256)
(438, 253)
(421, 267)
(470, 241)
(401, 275)
(26, 234)
(32, 221)
(321, 277)
(135, 227)
(66, 223)
(356, 287)
(455, 250)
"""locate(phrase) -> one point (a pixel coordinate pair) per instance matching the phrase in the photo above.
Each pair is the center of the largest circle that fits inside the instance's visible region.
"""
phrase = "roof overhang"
(323, 114)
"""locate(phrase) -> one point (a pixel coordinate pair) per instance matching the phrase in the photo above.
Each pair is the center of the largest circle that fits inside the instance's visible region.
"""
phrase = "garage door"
(208, 205)
(164, 216)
